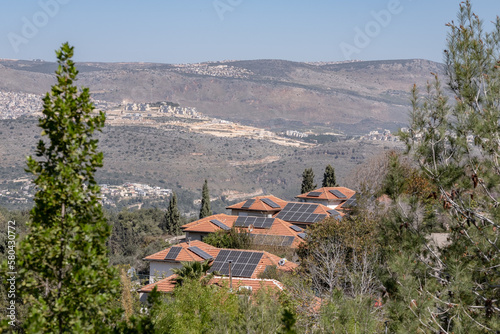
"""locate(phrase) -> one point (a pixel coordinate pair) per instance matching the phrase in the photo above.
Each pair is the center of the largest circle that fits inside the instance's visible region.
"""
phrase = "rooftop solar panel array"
(248, 204)
(272, 240)
(270, 202)
(337, 193)
(302, 235)
(257, 222)
(296, 228)
(243, 264)
(201, 253)
(314, 194)
(300, 212)
(220, 224)
(172, 253)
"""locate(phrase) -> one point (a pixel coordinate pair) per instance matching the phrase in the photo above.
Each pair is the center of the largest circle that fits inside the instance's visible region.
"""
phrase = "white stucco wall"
(161, 269)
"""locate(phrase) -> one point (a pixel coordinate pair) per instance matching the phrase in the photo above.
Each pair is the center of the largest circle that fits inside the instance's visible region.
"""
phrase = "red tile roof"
(326, 194)
(259, 205)
(279, 227)
(167, 284)
(186, 255)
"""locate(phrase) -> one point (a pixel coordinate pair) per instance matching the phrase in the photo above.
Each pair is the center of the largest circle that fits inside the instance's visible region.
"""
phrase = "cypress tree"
(205, 210)
(173, 217)
(307, 181)
(64, 271)
(329, 177)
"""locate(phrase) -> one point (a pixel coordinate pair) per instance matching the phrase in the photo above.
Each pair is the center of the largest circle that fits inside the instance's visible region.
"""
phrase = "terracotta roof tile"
(259, 205)
(167, 284)
(326, 194)
(278, 228)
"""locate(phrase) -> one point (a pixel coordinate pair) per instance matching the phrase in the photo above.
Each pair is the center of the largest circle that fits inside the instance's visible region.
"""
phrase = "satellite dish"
(250, 228)
(282, 262)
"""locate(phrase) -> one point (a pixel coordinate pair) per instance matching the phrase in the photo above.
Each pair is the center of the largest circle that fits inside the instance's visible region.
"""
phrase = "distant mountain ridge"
(267, 93)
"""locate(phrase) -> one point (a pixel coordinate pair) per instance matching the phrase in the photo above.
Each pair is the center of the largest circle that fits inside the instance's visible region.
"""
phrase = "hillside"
(273, 94)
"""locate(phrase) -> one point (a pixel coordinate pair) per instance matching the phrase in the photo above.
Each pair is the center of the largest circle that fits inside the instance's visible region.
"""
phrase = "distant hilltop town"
(213, 70)
(14, 105)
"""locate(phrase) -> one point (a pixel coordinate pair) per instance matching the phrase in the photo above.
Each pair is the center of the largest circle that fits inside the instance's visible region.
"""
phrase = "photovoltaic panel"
(314, 194)
(300, 212)
(257, 222)
(220, 224)
(270, 202)
(172, 253)
(296, 228)
(272, 240)
(350, 202)
(302, 235)
(334, 212)
(248, 204)
(243, 263)
(337, 193)
(201, 253)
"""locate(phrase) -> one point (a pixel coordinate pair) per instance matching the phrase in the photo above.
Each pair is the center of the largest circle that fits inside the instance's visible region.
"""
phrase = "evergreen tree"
(307, 181)
(173, 222)
(455, 288)
(64, 268)
(329, 177)
(205, 210)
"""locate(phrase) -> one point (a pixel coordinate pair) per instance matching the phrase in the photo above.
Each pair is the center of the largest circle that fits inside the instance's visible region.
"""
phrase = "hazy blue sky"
(181, 31)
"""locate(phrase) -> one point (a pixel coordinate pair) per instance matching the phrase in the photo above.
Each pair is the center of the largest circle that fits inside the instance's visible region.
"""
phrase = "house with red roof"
(245, 263)
(259, 206)
(239, 284)
(263, 230)
(332, 197)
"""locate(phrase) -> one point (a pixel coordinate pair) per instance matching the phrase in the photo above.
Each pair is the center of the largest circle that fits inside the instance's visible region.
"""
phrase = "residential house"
(263, 230)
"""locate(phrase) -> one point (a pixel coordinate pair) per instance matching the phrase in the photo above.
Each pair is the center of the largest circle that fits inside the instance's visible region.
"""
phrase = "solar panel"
(334, 212)
(243, 263)
(300, 212)
(302, 235)
(201, 253)
(296, 228)
(220, 224)
(350, 202)
(314, 194)
(172, 253)
(257, 222)
(272, 240)
(337, 193)
(248, 204)
(270, 202)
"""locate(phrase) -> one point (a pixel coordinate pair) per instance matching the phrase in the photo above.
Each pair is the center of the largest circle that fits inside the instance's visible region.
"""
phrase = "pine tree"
(173, 217)
(307, 181)
(455, 288)
(329, 177)
(205, 210)
(64, 268)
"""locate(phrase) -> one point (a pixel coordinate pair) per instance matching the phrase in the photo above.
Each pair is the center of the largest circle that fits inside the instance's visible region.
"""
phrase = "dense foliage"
(307, 181)
(64, 268)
